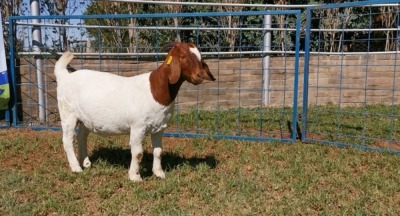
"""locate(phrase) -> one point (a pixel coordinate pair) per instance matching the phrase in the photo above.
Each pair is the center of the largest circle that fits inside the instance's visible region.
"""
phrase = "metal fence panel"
(232, 107)
(351, 94)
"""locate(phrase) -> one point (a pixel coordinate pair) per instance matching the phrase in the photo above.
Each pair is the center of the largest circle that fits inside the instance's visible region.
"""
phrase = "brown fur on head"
(186, 63)
(183, 63)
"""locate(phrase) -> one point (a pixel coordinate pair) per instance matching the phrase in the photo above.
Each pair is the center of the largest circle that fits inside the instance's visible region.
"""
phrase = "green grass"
(203, 177)
(374, 125)
(245, 122)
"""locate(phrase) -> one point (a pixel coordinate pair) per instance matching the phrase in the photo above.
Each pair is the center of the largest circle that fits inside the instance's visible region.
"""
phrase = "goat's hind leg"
(83, 133)
(156, 140)
(68, 127)
(68, 124)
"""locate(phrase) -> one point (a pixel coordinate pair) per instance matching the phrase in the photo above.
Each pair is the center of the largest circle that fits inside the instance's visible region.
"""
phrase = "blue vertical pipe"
(306, 75)
(296, 77)
(13, 73)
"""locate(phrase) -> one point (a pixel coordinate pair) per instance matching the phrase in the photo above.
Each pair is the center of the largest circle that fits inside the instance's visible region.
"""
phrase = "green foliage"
(221, 39)
(119, 38)
(151, 40)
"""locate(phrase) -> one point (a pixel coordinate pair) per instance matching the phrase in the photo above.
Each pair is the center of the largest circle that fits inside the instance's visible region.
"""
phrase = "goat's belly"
(115, 130)
(108, 129)
(110, 121)
(150, 127)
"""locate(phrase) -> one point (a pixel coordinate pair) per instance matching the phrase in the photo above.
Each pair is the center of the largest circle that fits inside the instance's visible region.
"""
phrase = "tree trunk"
(61, 6)
(178, 36)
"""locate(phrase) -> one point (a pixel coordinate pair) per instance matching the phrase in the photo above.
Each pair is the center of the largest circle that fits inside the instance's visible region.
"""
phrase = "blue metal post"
(13, 73)
(296, 77)
(306, 75)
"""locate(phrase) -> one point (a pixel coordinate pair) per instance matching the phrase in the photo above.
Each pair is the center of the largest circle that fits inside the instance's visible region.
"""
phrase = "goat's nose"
(207, 76)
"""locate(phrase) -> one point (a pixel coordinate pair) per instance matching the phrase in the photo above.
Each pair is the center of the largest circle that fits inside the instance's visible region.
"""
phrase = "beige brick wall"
(332, 79)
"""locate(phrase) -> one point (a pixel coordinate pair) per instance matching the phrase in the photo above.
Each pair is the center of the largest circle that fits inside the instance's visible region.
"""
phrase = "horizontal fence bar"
(244, 138)
(371, 3)
(147, 27)
(204, 28)
(158, 15)
(149, 54)
(182, 135)
(209, 53)
(380, 4)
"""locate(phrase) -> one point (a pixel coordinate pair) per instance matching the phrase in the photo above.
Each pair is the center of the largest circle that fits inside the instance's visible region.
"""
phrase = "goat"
(108, 104)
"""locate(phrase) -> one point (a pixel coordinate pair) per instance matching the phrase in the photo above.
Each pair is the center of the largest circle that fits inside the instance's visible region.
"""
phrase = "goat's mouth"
(199, 78)
(196, 79)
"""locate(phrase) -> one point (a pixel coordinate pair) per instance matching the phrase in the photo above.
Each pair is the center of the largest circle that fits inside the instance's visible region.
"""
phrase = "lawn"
(372, 126)
(203, 177)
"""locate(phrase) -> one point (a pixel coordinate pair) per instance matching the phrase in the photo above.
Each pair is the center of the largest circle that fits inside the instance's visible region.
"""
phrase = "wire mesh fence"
(347, 92)
(351, 98)
(234, 106)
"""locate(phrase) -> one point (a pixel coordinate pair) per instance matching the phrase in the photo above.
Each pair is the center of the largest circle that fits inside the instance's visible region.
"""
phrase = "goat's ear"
(174, 64)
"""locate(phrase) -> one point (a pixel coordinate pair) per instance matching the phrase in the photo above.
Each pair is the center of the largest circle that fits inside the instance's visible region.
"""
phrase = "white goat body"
(110, 104)
(118, 104)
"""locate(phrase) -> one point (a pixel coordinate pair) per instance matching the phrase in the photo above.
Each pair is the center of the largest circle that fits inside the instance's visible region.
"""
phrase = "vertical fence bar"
(36, 45)
(267, 58)
(306, 74)
(218, 117)
(364, 114)
(13, 85)
(197, 87)
(296, 77)
(395, 74)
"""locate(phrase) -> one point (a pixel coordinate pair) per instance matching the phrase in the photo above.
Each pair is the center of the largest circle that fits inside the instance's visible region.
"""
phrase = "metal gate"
(254, 97)
(351, 75)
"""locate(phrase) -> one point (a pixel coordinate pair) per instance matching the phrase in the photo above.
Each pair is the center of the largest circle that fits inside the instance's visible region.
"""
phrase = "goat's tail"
(60, 69)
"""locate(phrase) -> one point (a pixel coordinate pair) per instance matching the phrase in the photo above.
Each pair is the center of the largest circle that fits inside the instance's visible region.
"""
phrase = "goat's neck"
(163, 92)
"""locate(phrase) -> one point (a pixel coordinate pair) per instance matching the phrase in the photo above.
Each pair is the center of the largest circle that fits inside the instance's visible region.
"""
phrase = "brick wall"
(354, 80)
(332, 79)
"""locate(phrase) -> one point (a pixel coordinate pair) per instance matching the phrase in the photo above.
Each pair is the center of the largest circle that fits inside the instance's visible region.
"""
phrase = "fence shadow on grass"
(122, 157)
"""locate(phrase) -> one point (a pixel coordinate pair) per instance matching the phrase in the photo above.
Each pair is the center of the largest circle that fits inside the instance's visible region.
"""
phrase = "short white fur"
(109, 104)
(196, 51)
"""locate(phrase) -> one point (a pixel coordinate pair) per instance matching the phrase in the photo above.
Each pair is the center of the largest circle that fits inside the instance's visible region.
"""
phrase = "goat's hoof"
(86, 162)
(76, 169)
(159, 173)
(135, 178)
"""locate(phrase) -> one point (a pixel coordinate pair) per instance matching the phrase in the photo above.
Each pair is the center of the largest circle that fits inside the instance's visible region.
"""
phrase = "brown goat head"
(186, 63)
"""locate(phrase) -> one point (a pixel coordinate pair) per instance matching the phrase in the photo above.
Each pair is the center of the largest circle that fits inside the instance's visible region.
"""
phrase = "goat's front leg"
(135, 142)
(156, 140)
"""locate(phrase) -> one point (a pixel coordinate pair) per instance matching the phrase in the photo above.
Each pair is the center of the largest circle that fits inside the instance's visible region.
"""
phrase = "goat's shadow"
(170, 161)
